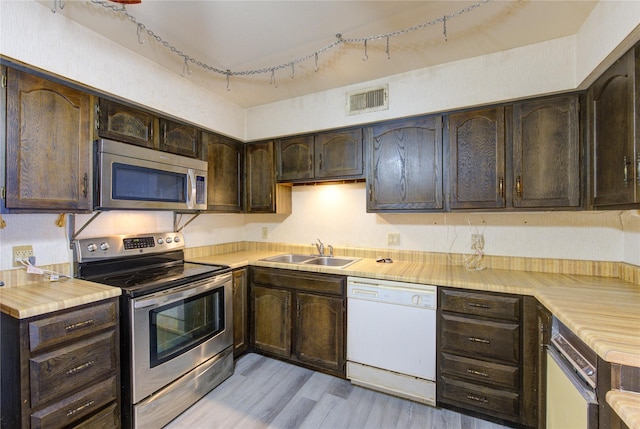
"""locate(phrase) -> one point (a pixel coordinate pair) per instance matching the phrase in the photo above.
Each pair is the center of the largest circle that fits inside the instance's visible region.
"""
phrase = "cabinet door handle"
(320, 161)
(625, 171)
(85, 185)
(478, 398)
(480, 373)
(486, 306)
(82, 367)
(519, 186)
(79, 325)
(501, 186)
(310, 162)
(80, 408)
(478, 340)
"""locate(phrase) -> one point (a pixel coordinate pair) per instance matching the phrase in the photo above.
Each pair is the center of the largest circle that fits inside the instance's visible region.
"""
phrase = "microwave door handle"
(191, 188)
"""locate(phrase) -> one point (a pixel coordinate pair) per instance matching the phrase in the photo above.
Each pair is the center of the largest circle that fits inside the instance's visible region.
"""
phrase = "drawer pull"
(80, 408)
(80, 367)
(479, 340)
(79, 325)
(473, 304)
(480, 373)
(477, 399)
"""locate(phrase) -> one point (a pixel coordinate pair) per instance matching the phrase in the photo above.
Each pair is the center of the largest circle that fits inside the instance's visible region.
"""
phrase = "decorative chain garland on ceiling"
(141, 29)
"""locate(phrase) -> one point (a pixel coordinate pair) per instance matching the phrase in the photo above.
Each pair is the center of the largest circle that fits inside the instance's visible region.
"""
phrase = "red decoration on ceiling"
(127, 1)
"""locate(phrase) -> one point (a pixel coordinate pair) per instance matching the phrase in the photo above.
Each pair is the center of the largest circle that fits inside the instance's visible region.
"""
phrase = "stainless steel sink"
(331, 261)
(327, 261)
(289, 258)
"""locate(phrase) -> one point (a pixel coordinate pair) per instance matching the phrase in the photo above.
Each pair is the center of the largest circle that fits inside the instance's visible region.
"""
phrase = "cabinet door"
(320, 331)
(260, 181)
(126, 124)
(48, 145)
(272, 320)
(240, 316)
(339, 154)
(546, 170)
(544, 336)
(295, 158)
(615, 147)
(224, 156)
(405, 165)
(477, 159)
(180, 139)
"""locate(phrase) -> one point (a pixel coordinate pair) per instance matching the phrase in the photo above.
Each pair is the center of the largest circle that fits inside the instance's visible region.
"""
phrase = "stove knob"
(169, 240)
(104, 246)
(92, 247)
(160, 241)
(176, 239)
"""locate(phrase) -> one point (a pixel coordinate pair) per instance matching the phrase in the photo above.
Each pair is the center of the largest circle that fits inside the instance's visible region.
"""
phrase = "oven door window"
(132, 182)
(182, 325)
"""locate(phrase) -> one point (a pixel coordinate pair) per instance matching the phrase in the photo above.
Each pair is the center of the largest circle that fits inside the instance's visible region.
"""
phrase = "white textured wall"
(32, 34)
(522, 72)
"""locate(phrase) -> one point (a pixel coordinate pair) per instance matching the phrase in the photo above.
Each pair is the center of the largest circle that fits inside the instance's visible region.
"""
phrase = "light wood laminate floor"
(267, 393)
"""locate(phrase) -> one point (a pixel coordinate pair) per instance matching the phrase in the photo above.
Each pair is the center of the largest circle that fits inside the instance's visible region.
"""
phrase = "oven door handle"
(173, 295)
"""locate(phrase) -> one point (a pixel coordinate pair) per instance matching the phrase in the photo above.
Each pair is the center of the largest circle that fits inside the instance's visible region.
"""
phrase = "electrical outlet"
(20, 253)
(477, 242)
(393, 238)
(265, 232)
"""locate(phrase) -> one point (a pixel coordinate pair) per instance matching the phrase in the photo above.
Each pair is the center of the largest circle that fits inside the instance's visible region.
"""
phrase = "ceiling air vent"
(370, 100)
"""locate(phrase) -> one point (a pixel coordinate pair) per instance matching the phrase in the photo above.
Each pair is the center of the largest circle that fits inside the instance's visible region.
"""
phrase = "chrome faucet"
(320, 246)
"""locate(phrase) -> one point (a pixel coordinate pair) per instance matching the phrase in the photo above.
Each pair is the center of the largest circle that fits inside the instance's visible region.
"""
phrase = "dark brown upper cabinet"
(477, 159)
(263, 195)
(614, 117)
(546, 153)
(126, 124)
(225, 173)
(405, 165)
(179, 138)
(333, 155)
(48, 145)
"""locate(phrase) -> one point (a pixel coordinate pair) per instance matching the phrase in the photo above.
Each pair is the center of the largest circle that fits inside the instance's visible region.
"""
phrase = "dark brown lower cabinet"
(240, 313)
(299, 317)
(62, 369)
(487, 356)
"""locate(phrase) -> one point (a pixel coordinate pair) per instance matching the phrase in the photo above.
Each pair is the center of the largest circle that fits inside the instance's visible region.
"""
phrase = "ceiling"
(253, 35)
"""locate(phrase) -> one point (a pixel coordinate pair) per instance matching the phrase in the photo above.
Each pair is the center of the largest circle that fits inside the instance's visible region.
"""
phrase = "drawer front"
(109, 418)
(480, 338)
(494, 402)
(74, 408)
(68, 326)
(480, 304)
(69, 368)
(477, 371)
(325, 283)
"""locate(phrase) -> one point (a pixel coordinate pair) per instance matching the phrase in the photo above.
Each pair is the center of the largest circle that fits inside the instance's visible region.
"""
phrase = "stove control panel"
(98, 248)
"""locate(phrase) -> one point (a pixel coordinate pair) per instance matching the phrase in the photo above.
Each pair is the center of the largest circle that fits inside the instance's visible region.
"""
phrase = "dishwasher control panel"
(391, 292)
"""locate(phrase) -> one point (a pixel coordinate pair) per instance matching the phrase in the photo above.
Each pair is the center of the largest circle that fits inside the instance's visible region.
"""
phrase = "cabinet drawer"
(68, 326)
(325, 283)
(75, 407)
(486, 400)
(69, 368)
(109, 418)
(480, 304)
(480, 338)
(477, 371)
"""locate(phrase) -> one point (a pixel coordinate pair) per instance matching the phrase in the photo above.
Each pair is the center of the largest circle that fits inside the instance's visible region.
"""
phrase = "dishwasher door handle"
(364, 292)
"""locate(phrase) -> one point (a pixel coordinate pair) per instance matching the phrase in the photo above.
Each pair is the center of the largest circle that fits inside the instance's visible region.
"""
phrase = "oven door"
(176, 330)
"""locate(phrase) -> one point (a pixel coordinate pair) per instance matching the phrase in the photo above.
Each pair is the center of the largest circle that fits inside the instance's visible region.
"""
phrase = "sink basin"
(289, 258)
(331, 261)
(327, 261)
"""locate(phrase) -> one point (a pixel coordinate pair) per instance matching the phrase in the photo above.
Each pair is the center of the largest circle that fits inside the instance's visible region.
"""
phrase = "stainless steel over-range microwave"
(129, 177)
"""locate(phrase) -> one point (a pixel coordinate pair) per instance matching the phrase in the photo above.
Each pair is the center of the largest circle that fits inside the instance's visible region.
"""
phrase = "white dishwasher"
(391, 337)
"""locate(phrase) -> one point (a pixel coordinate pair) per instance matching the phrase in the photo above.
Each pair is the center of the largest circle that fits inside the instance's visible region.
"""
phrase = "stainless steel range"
(176, 322)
